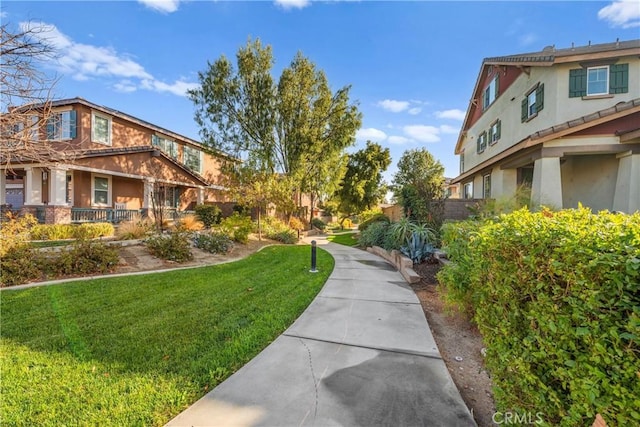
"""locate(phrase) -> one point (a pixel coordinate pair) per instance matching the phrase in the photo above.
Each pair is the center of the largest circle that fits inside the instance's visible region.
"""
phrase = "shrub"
(376, 234)
(20, 265)
(318, 223)
(288, 237)
(237, 227)
(556, 296)
(368, 214)
(85, 257)
(380, 217)
(216, 243)
(189, 222)
(210, 215)
(172, 247)
(296, 224)
(417, 247)
(136, 228)
(15, 232)
(52, 232)
(93, 230)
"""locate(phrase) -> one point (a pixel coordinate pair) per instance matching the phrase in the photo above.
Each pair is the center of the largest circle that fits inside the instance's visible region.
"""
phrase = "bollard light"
(313, 257)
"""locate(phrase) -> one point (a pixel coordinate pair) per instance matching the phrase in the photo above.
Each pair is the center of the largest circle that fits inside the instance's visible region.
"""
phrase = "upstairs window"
(482, 142)
(490, 93)
(28, 130)
(100, 129)
(192, 158)
(462, 162)
(494, 132)
(61, 125)
(601, 80)
(168, 146)
(533, 103)
(597, 81)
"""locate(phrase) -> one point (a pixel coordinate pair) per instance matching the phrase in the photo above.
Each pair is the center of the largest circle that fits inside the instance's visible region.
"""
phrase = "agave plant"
(418, 247)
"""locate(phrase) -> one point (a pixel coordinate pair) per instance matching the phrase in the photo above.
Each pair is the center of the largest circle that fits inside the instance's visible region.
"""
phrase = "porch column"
(58, 187)
(627, 194)
(147, 194)
(32, 186)
(3, 187)
(200, 195)
(546, 188)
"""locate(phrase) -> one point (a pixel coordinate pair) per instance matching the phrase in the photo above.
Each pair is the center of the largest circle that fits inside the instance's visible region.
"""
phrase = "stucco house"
(565, 122)
(115, 164)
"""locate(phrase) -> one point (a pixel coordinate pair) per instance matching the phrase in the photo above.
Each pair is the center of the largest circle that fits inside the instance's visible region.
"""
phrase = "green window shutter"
(498, 129)
(525, 110)
(577, 83)
(490, 134)
(72, 124)
(497, 85)
(51, 126)
(619, 78)
(540, 98)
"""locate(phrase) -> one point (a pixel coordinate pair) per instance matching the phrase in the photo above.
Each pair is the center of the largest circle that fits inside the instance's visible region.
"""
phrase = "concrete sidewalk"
(361, 354)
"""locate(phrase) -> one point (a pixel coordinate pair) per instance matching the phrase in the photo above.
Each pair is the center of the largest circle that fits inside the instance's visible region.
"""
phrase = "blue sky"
(412, 65)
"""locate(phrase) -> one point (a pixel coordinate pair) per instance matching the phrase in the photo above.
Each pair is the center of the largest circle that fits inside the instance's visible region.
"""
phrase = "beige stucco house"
(565, 122)
(114, 164)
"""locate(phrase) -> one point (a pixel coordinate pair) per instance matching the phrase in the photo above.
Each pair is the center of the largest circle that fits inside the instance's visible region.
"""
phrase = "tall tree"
(26, 92)
(419, 186)
(298, 127)
(362, 186)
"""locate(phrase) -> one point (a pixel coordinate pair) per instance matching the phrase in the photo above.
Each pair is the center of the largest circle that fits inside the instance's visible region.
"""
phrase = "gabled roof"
(143, 149)
(130, 118)
(619, 110)
(547, 57)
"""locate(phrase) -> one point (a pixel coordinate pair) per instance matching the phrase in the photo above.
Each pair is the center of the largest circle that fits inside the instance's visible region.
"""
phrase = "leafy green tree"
(419, 187)
(362, 186)
(298, 128)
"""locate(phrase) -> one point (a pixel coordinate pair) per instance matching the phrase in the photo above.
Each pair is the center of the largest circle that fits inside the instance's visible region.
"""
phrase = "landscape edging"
(403, 264)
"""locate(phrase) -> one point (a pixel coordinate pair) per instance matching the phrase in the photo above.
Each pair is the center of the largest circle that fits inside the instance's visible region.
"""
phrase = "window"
(533, 103)
(168, 146)
(494, 132)
(192, 158)
(69, 188)
(486, 186)
(100, 129)
(468, 190)
(169, 197)
(28, 130)
(101, 190)
(597, 81)
(490, 93)
(462, 162)
(601, 80)
(61, 125)
(482, 142)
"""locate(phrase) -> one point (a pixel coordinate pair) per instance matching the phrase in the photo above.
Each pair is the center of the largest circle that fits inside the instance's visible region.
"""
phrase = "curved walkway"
(361, 354)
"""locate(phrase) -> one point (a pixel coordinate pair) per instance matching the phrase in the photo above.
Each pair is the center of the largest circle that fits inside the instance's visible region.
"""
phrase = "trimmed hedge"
(71, 231)
(556, 296)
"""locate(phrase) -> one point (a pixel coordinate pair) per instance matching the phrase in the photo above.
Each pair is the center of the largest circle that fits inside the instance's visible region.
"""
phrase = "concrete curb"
(399, 261)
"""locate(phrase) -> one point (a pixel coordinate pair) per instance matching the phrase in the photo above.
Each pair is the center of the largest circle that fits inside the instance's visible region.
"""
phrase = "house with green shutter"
(96, 163)
(564, 122)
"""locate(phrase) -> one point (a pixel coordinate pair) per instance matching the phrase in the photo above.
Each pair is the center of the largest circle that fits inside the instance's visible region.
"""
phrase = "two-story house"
(565, 122)
(114, 162)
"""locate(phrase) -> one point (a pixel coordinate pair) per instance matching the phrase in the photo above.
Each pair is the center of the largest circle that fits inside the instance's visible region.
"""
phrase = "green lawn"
(347, 239)
(138, 350)
(51, 243)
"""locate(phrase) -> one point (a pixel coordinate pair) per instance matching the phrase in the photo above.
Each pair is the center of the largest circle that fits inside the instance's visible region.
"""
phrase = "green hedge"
(71, 231)
(556, 296)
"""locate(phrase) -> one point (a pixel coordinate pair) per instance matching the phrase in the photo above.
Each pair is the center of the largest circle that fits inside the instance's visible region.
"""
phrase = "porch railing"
(102, 215)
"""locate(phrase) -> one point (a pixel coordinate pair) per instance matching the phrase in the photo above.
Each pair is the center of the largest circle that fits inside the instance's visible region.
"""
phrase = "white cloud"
(448, 129)
(454, 114)
(372, 134)
(84, 62)
(621, 13)
(393, 105)
(163, 6)
(3, 14)
(395, 139)
(527, 39)
(415, 110)
(292, 4)
(422, 133)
